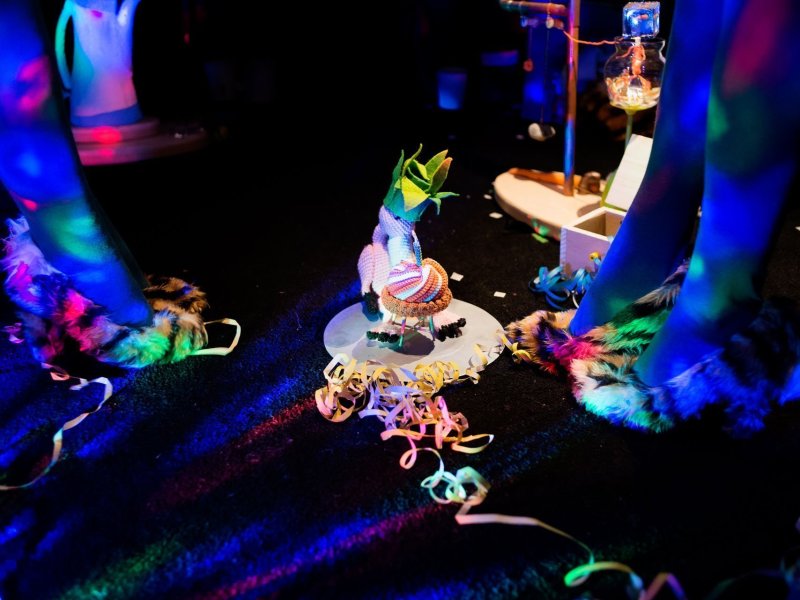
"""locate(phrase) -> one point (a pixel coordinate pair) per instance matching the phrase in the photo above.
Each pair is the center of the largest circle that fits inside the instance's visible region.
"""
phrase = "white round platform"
(346, 334)
(529, 201)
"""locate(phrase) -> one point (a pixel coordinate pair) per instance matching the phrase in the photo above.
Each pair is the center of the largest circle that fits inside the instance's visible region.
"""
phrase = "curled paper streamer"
(576, 576)
(455, 491)
(581, 573)
(58, 374)
(404, 400)
(517, 354)
(221, 351)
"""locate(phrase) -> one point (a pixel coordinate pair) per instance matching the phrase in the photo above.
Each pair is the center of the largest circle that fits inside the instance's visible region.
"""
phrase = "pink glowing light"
(750, 60)
(106, 153)
(76, 306)
(98, 14)
(106, 135)
(379, 531)
(238, 458)
(29, 204)
(34, 78)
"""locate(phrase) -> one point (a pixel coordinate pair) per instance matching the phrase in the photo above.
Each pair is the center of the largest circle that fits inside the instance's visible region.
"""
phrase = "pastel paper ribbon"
(221, 351)
(59, 374)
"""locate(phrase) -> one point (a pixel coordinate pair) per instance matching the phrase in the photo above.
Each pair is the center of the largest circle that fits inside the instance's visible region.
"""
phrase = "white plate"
(346, 334)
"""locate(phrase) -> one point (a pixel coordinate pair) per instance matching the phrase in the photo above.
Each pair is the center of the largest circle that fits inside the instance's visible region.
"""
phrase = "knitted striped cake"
(414, 290)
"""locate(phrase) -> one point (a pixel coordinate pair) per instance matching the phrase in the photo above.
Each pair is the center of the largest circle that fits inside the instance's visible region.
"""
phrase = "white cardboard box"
(592, 232)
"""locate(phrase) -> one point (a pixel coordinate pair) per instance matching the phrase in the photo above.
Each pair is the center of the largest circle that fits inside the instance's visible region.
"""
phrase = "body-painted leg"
(655, 234)
(40, 168)
(67, 269)
(751, 156)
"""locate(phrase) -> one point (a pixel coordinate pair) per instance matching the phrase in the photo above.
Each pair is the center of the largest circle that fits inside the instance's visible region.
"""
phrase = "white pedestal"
(543, 203)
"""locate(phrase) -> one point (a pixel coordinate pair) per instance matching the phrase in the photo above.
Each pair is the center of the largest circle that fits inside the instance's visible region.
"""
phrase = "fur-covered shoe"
(546, 337)
(755, 370)
(53, 311)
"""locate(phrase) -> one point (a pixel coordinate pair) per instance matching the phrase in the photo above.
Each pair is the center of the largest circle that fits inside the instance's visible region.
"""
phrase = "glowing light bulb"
(633, 73)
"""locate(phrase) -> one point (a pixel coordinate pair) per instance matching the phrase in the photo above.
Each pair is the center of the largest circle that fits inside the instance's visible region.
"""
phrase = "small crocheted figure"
(395, 280)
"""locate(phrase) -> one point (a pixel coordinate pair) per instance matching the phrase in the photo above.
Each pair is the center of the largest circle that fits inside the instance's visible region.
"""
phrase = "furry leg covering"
(755, 370)
(52, 311)
(545, 334)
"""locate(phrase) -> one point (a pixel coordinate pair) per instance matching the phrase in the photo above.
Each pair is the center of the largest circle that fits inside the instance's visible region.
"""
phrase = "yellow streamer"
(221, 351)
(517, 354)
(581, 573)
(58, 374)
(403, 399)
(455, 491)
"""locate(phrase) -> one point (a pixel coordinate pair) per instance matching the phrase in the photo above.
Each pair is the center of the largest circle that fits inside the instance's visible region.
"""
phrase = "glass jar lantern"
(633, 74)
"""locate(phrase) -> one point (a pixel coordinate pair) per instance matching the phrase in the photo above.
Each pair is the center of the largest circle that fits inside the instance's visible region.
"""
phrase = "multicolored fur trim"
(545, 334)
(754, 370)
(52, 311)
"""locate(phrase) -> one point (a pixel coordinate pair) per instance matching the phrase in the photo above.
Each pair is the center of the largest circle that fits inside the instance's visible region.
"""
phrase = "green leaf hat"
(415, 185)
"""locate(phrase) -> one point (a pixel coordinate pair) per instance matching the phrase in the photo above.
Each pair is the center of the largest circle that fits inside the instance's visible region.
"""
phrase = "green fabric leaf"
(433, 164)
(423, 184)
(398, 168)
(418, 169)
(438, 177)
(410, 159)
(414, 184)
(413, 195)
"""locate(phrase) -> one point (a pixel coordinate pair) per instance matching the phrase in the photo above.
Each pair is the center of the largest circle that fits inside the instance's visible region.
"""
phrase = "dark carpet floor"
(218, 478)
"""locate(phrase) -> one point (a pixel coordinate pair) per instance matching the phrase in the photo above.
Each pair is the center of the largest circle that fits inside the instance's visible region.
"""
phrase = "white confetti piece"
(456, 276)
(499, 294)
(798, 228)
(487, 196)
(496, 215)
